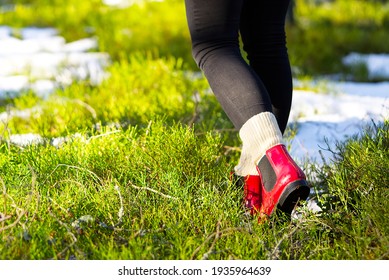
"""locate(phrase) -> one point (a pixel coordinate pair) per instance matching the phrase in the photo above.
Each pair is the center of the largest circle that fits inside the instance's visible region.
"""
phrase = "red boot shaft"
(283, 182)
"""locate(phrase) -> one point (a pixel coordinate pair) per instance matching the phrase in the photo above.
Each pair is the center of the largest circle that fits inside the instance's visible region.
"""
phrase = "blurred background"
(320, 32)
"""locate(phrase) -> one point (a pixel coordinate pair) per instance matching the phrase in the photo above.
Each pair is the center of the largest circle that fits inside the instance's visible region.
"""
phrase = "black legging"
(243, 90)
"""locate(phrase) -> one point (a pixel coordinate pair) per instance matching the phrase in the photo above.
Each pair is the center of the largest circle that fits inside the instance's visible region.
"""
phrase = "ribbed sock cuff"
(258, 134)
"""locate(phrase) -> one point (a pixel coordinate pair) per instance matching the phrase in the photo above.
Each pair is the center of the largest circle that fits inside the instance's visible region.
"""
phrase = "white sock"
(258, 134)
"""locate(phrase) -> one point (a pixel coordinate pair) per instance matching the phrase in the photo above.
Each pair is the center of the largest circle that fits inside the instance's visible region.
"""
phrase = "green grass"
(326, 32)
(356, 198)
(137, 89)
(163, 192)
(143, 170)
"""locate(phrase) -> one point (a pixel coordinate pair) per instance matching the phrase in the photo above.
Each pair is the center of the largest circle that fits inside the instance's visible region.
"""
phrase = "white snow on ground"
(377, 64)
(41, 60)
(325, 119)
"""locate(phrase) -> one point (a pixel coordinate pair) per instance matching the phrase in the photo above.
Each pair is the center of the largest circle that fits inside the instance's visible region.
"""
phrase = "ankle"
(258, 134)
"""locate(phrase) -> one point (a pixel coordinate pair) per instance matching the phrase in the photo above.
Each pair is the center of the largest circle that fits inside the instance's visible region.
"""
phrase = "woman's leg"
(214, 28)
(283, 183)
(263, 35)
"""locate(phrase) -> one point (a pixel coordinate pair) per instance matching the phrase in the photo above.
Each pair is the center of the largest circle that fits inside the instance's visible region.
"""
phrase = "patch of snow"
(5, 32)
(82, 45)
(323, 120)
(26, 139)
(38, 33)
(377, 64)
(43, 87)
(365, 89)
(10, 86)
(47, 59)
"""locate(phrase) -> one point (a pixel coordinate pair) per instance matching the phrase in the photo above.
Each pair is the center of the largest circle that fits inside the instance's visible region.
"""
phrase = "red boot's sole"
(293, 194)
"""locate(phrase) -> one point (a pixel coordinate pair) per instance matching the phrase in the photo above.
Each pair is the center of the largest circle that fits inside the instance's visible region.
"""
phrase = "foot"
(283, 183)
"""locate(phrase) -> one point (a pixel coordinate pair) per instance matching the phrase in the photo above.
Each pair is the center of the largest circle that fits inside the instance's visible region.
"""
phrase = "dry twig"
(152, 190)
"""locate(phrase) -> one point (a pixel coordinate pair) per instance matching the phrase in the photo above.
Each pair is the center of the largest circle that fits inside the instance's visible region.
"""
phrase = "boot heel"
(293, 194)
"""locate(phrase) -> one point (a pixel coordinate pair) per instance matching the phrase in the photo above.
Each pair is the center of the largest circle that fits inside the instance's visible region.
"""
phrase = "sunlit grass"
(142, 170)
(340, 12)
(134, 92)
(162, 192)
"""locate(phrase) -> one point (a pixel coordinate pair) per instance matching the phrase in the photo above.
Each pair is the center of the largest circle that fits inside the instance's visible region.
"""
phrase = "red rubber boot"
(252, 193)
(283, 183)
